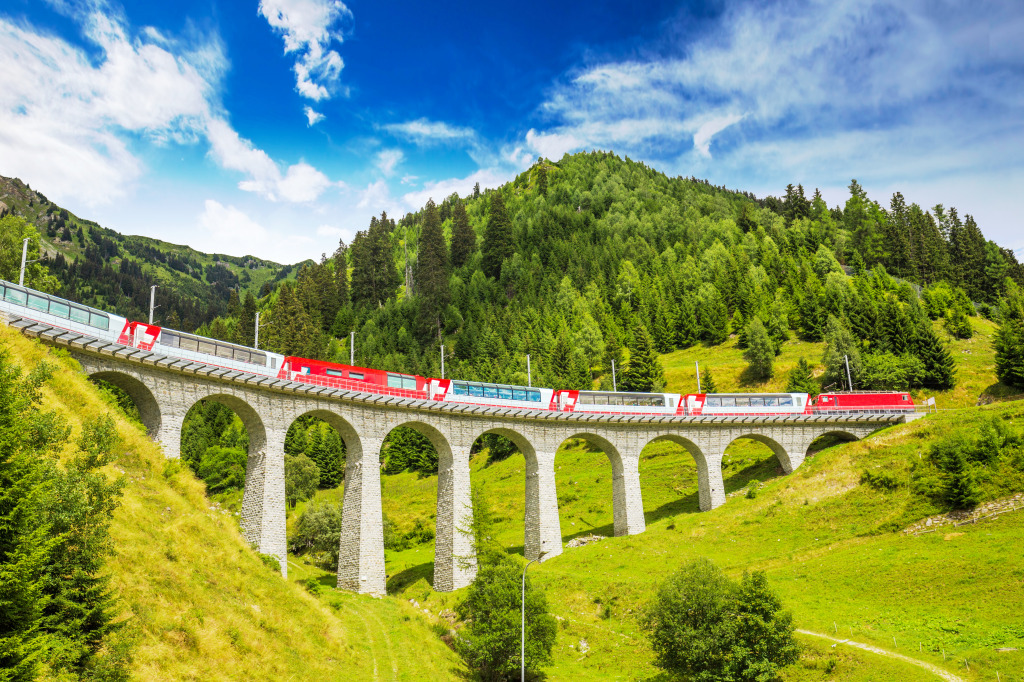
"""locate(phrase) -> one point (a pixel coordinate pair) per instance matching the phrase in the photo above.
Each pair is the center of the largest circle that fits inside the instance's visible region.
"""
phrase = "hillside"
(198, 602)
(826, 540)
(105, 269)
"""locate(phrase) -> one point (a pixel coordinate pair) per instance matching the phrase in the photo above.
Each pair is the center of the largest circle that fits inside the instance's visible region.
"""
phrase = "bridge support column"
(361, 553)
(627, 499)
(454, 560)
(710, 486)
(543, 528)
(263, 501)
(168, 433)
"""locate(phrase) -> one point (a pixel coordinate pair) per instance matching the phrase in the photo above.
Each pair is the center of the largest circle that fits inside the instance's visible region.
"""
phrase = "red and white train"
(56, 312)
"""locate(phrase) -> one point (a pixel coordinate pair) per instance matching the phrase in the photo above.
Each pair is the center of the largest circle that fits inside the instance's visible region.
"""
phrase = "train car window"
(273, 361)
(225, 352)
(728, 402)
(38, 303)
(99, 321)
(534, 396)
(15, 296)
(771, 402)
(799, 402)
(79, 315)
(358, 376)
(242, 355)
(714, 402)
(904, 397)
(660, 402)
(614, 400)
(188, 343)
(518, 394)
(505, 393)
(460, 389)
(742, 402)
(333, 373)
(757, 402)
(476, 390)
(586, 400)
(490, 391)
(409, 383)
(786, 401)
(169, 339)
(207, 347)
(59, 309)
(394, 381)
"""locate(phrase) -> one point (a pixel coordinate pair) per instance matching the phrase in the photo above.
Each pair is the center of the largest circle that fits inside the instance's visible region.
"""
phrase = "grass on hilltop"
(198, 602)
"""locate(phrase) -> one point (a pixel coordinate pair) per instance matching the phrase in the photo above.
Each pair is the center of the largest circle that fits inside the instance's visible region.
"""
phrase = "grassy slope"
(201, 603)
(954, 592)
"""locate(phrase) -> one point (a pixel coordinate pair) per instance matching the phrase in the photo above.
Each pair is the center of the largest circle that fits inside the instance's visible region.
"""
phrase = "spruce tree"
(341, 287)
(245, 330)
(463, 237)
(839, 345)
(707, 382)
(542, 180)
(801, 380)
(1009, 341)
(432, 271)
(644, 372)
(760, 351)
(498, 242)
(686, 331)
(939, 366)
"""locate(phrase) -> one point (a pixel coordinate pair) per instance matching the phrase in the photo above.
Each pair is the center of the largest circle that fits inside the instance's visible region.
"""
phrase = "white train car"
(617, 402)
(57, 312)
(747, 403)
(483, 393)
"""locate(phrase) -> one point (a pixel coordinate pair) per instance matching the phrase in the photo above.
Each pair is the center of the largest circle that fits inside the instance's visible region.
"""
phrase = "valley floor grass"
(199, 602)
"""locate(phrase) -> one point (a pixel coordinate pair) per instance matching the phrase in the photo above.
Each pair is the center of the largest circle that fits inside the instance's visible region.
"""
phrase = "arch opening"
(218, 435)
(670, 467)
(829, 439)
(133, 397)
(751, 460)
(587, 467)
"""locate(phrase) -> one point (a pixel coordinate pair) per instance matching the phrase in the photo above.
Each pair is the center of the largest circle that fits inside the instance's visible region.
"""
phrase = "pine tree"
(542, 179)
(561, 364)
(760, 350)
(432, 270)
(801, 380)
(245, 330)
(1009, 341)
(686, 331)
(644, 372)
(463, 237)
(707, 382)
(939, 366)
(375, 277)
(476, 190)
(341, 287)
(498, 242)
(839, 346)
(712, 316)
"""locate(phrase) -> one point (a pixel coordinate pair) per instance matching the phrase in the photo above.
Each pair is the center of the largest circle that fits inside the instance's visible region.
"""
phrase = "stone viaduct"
(165, 388)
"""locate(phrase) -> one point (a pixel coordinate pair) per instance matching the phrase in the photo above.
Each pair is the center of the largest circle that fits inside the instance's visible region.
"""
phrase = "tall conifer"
(463, 237)
(498, 243)
(644, 372)
(432, 270)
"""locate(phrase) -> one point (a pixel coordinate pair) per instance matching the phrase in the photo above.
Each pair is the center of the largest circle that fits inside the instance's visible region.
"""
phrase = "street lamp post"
(24, 262)
(152, 302)
(522, 653)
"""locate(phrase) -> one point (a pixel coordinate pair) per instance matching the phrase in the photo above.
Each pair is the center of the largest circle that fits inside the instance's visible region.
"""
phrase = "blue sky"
(276, 127)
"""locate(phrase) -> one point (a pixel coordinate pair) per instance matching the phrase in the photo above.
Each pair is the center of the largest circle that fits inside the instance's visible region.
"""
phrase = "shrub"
(222, 468)
(705, 627)
(301, 478)
(318, 533)
(880, 480)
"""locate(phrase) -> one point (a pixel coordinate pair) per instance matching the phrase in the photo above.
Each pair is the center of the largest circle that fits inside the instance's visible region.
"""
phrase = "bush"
(705, 627)
(888, 372)
(318, 533)
(880, 480)
(301, 478)
(490, 643)
(222, 469)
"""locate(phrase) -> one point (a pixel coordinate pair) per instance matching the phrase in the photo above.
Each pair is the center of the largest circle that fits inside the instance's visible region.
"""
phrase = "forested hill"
(594, 258)
(108, 270)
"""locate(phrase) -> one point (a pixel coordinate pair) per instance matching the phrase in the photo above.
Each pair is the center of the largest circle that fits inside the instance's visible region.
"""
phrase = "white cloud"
(487, 177)
(313, 116)
(388, 159)
(376, 197)
(308, 28)
(702, 138)
(68, 120)
(227, 229)
(425, 133)
(329, 231)
(552, 145)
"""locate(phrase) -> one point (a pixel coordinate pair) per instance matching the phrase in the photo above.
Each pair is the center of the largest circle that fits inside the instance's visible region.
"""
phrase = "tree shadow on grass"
(749, 379)
(763, 470)
(403, 579)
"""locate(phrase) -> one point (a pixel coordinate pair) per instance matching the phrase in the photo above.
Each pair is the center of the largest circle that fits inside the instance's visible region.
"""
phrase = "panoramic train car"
(747, 403)
(482, 393)
(617, 402)
(57, 312)
(177, 344)
(353, 378)
(863, 403)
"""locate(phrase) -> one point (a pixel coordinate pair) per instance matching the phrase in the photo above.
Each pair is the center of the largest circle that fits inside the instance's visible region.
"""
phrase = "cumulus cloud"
(702, 138)
(487, 177)
(308, 28)
(227, 229)
(424, 132)
(388, 159)
(58, 102)
(312, 116)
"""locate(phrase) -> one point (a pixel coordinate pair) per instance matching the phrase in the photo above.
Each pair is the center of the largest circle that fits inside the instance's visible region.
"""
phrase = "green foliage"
(644, 372)
(56, 603)
(707, 382)
(840, 346)
(888, 372)
(13, 229)
(398, 541)
(407, 449)
(801, 380)
(499, 243)
(490, 643)
(432, 271)
(463, 236)
(880, 480)
(317, 534)
(705, 627)
(760, 351)
(301, 478)
(1009, 340)
(223, 469)
(957, 325)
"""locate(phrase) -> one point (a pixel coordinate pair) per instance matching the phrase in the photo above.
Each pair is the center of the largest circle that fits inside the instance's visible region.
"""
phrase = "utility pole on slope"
(152, 302)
